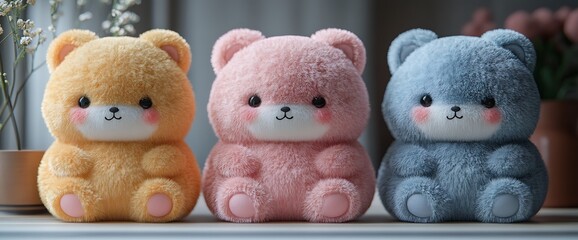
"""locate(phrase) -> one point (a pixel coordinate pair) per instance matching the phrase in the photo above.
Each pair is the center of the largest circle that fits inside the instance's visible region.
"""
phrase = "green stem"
(11, 108)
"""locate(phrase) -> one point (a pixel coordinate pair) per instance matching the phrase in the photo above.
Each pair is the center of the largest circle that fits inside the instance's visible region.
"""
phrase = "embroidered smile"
(284, 117)
(114, 117)
(454, 116)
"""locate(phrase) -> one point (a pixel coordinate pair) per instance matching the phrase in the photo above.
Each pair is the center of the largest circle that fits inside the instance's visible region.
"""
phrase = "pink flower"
(481, 22)
(547, 23)
(571, 26)
(523, 23)
(482, 15)
(562, 14)
(472, 29)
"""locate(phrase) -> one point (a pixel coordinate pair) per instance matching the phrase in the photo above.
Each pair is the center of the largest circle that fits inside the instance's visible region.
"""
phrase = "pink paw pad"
(159, 205)
(71, 206)
(241, 205)
(334, 205)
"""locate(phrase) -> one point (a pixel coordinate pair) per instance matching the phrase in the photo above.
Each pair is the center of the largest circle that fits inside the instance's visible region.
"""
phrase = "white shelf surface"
(375, 224)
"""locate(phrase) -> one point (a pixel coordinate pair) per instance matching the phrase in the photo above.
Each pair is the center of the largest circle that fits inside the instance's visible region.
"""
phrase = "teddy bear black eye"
(426, 100)
(83, 102)
(145, 102)
(489, 102)
(318, 102)
(254, 101)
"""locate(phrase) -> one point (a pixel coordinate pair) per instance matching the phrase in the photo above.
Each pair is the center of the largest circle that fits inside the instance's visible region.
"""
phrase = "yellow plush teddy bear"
(119, 108)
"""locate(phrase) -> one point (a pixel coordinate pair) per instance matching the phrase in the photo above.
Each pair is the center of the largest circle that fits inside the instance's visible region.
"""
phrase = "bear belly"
(116, 175)
(288, 173)
(462, 173)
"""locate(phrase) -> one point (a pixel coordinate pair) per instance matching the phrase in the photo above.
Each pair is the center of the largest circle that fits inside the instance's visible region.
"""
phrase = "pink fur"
(326, 179)
(323, 116)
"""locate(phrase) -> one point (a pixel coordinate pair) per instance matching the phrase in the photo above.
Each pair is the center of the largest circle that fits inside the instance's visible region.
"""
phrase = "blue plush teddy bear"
(461, 110)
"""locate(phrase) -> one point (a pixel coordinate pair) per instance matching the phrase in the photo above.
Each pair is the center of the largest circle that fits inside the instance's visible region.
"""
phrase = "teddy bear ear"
(172, 43)
(345, 41)
(64, 44)
(516, 43)
(231, 43)
(405, 44)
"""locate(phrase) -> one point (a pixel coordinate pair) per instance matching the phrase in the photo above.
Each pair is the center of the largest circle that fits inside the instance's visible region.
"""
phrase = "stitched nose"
(456, 108)
(285, 109)
(113, 109)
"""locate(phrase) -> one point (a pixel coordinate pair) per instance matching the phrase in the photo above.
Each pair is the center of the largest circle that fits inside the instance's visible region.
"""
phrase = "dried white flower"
(106, 24)
(85, 16)
(1, 30)
(20, 23)
(114, 29)
(115, 13)
(5, 8)
(51, 28)
(81, 2)
(55, 16)
(41, 39)
(24, 41)
(129, 28)
(17, 3)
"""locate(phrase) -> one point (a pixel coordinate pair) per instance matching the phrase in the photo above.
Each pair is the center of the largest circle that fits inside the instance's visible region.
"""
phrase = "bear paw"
(159, 205)
(241, 205)
(419, 206)
(505, 205)
(241, 199)
(332, 200)
(505, 200)
(71, 200)
(418, 199)
(71, 205)
(334, 205)
(159, 200)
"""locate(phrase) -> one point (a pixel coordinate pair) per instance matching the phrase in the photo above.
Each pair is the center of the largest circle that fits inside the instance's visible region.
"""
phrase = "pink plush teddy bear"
(288, 111)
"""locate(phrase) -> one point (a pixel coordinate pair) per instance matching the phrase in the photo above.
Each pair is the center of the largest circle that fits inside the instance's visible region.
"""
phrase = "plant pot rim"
(23, 150)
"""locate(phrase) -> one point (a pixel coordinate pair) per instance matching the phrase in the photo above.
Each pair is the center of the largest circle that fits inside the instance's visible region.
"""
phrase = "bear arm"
(411, 160)
(236, 161)
(163, 161)
(339, 161)
(511, 161)
(69, 161)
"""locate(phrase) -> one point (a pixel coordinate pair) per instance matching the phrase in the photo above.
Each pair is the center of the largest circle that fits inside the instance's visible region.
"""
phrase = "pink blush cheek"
(492, 116)
(78, 115)
(420, 114)
(249, 115)
(323, 115)
(151, 116)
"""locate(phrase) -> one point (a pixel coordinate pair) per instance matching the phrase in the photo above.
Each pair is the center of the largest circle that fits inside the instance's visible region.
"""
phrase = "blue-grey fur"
(462, 179)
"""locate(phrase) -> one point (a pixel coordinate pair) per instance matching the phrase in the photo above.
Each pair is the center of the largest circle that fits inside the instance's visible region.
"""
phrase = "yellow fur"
(115, 179)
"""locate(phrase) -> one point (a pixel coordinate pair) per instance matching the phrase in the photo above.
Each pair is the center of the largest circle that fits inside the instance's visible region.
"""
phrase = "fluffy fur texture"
(462, 110)
(293, 153)
(119, 108)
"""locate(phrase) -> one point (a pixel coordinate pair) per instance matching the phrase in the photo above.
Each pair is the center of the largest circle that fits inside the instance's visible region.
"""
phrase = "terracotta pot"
(557, 140)
(18, 187)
